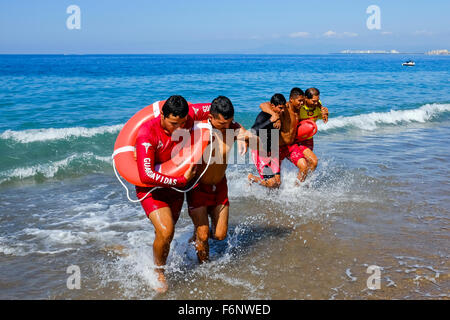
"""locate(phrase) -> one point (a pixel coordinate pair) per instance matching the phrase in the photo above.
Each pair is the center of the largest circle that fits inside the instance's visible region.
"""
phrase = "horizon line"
(249, 54)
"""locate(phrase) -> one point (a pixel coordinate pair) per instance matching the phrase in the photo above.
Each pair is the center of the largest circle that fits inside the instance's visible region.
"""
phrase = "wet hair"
(295, 92)
(278, 99)
(176, 106)
(311, 92)
(223, 106)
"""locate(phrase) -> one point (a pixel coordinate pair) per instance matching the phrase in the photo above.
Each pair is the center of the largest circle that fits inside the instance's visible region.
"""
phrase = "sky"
(222, 26)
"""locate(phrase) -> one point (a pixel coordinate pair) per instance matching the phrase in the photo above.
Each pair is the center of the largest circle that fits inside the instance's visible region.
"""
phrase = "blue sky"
(228, 26)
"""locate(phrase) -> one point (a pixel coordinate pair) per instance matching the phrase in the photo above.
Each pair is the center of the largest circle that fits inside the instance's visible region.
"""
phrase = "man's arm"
(323, 113)
(288, 129)
(262, 121)
(243, 138)
(145, 156)
(265, 106)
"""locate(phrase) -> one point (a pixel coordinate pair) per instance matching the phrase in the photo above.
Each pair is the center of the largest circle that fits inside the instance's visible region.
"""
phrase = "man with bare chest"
(269, 167)
(210, 197)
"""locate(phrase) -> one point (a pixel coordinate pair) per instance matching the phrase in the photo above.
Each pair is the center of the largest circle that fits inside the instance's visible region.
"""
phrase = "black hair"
(176, 106)
(278, 99)
(311, 92)
(222, 105)
(295, 92)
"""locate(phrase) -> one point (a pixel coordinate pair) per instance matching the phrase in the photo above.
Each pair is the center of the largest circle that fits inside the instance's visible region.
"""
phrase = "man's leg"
(164, 230)
(219, 219)
(302, 166)
(268, 169)
(200, 219)
(311, 159)
(297, 157)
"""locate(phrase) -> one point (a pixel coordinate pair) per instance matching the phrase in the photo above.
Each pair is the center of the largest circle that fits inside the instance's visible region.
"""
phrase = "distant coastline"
(441, 52)
(369, 52)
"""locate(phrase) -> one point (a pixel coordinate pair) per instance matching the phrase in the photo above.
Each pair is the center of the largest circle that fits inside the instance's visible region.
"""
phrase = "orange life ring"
(306, 129)
(124, 148)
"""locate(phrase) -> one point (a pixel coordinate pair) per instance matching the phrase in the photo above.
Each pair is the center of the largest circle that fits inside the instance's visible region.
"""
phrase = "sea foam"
(370, 121)
(50, 169)
(374, 120)
(35, 135)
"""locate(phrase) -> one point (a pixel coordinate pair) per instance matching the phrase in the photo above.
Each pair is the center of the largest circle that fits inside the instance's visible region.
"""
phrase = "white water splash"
(374, 120)
(39, 135)
(48, 170)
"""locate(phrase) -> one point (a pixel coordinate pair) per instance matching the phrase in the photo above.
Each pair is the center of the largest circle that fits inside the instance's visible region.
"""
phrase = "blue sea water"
(383, 165)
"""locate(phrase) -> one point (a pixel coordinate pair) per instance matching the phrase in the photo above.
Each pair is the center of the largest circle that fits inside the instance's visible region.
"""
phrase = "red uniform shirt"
(154, 145)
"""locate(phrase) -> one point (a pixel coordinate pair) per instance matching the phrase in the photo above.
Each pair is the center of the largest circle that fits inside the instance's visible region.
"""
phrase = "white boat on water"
(409, 63)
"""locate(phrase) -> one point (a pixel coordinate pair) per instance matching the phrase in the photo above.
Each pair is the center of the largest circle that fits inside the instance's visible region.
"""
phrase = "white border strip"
(156, 111)
(123, 149)
(201, 125)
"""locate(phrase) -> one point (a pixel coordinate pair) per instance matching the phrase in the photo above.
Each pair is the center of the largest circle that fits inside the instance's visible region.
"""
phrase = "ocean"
(379, 199)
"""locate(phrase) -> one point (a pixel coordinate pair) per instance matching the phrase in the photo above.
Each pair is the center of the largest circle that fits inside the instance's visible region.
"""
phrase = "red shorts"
(294, 153)
(160, 198)
(308, 143)
(207, 195)
(268, 166)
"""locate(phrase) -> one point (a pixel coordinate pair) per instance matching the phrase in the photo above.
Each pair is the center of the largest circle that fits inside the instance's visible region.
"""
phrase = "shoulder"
(203, 107)
(198, 111)
(235, 125)
(149, 128)
(262, 121)
(263, 116)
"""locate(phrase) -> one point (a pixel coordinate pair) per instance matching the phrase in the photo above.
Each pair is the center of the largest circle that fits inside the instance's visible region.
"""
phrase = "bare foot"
(302, 184)
(251, 178)
(162, 280)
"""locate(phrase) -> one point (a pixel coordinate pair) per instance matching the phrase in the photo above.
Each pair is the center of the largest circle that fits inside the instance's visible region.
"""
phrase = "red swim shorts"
(207, 195)
(160, 198)
(294, 153)
(269, 166)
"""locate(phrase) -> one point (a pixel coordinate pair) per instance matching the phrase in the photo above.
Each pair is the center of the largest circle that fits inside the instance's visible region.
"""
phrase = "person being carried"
(311, 109)
(269, 164)
(210, 197)
(309, 161)
(154, 144)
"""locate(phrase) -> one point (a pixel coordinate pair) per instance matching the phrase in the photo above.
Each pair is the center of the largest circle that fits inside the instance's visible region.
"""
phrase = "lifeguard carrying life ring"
(124, 149)
(306, 129)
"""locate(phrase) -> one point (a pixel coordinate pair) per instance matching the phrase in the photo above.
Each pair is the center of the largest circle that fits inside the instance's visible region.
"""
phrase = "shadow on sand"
(242, 238)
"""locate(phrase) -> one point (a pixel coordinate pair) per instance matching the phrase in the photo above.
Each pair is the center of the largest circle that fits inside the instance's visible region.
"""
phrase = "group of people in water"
(208, 198)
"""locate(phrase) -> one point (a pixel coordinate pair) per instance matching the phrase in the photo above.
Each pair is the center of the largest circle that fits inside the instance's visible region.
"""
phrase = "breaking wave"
(35, 135)
(375, 120)
(73, 165)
